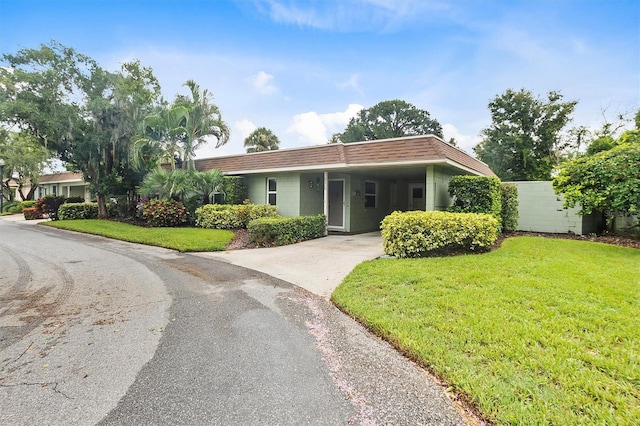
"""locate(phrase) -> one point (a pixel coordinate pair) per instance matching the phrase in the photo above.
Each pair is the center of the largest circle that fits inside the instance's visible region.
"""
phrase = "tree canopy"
(87, 115)
(388, 119)
(261, 139)
(25, 161)
(174, 132)
(607, 180)
(524, 140)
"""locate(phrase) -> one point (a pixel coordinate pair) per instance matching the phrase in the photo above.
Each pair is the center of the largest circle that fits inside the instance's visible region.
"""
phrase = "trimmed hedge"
(18, 207)
(234, 189)
(418, 233)
(165, 213)
(286, 230)
(509, 194)
(476, 194)
(70, 211)
(226, 216)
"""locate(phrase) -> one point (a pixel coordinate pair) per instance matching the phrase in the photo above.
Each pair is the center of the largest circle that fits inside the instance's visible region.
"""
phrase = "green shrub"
(11, 207)
(418, 233)
(234, 189)
(31, 213)
(226, 216)
(165, 213)
(70, 211)
(49, 205)
(74, 200)
(17, 207)
(286, 230)
(476, 194)
(509, 193)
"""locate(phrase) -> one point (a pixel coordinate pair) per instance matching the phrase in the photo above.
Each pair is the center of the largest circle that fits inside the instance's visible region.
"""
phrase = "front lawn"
(181, 239)
(540, 331)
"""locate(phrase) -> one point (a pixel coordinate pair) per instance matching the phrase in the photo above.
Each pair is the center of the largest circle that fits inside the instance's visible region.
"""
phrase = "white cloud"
(245, 127)
(353, 83)
(314, 128)
(262, 82)
(464, 142)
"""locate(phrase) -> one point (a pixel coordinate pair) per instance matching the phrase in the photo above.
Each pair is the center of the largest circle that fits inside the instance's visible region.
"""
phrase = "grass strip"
(181, 239)
(540, 331)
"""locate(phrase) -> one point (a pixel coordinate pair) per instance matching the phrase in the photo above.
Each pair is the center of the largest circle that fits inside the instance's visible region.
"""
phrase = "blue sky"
(303, 68)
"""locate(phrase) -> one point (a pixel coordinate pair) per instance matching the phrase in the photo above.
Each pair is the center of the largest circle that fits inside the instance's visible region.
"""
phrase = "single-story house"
(356, 184)
(67, 184)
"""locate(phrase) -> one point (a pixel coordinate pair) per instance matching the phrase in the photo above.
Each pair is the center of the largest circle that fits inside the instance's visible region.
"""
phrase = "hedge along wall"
(286, 230)
(476, 194)
(418, 233)
(235, 189)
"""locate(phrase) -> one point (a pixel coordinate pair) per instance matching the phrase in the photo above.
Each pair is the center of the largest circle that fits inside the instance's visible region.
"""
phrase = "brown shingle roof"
(410, 150)
(61, 177)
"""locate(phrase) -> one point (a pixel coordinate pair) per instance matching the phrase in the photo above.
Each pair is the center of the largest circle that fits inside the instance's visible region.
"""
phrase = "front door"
(336, 204)
(417, 200)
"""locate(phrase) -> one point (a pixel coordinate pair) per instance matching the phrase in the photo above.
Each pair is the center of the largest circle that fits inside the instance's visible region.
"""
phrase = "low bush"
(71, 211)
(164, 213)
(286, 230)
(11, 207)
(18, 207)
(417, 233)
(49, 205)
(226, 216)
(31, 213)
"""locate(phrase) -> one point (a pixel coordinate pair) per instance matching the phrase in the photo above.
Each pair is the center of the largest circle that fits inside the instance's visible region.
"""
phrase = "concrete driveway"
(318, 266)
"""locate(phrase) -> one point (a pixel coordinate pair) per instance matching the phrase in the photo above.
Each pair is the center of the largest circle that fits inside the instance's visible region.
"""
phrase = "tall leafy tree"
(605, 180)
(87, 115)
(25, 161)
(261, 139)
(389, 119)
(524, 140)
(174, 132)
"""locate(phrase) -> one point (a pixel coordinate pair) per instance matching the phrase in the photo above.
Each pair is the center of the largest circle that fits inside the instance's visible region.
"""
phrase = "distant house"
(356, 184)
(67, 184)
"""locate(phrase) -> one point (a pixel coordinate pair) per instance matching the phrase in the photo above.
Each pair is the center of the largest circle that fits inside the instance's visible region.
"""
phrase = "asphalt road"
(95, 331)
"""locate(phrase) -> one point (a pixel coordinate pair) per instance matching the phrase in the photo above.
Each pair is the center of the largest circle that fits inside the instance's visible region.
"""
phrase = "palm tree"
(177, 130)
(203, 120)
(261, 139)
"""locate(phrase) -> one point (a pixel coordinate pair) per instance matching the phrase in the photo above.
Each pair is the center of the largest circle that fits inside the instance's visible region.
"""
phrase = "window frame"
(273, 192)
(368, 195)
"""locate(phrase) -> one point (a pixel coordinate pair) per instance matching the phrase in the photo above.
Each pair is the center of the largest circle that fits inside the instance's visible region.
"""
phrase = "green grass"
(540, 331)
(181, 239)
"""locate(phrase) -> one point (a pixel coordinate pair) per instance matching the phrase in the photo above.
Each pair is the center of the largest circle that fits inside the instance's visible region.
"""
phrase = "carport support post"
(326, 201)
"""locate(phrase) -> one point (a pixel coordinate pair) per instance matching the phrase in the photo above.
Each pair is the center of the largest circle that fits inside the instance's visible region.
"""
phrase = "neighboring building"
(67, 184)
(356, 184)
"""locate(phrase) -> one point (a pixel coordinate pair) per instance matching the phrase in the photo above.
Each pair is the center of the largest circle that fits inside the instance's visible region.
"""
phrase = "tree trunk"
(102, 206)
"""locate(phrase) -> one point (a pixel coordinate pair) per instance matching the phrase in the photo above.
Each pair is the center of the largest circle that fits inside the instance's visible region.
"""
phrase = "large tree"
(524, 140)
(389, 119)
(25, 161)
(261, 139)
(604, 180)
(87, 115)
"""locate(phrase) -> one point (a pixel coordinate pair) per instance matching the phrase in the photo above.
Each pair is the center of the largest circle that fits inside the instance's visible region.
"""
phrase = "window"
(370, 194)
(271, 191)
(218, 198)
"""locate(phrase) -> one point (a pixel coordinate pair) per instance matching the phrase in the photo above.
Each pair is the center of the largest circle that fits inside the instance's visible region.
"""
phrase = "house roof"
(61, 177)
(411, 150)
